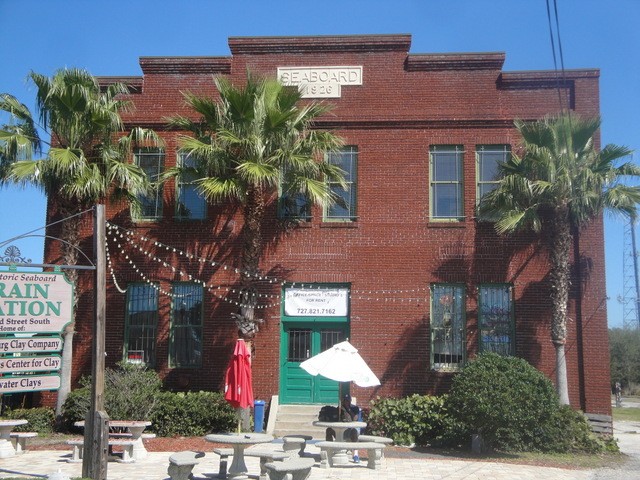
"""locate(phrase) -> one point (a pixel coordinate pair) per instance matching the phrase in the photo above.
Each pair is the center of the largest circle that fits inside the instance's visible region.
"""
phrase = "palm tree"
(87, 159)
(559, 184)
(255, 142)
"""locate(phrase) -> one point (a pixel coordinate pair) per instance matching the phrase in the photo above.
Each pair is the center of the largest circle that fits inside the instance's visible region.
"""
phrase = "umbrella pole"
(339, 401)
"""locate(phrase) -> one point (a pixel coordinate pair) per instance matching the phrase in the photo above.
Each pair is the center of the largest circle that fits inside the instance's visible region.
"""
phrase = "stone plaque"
(320, 82)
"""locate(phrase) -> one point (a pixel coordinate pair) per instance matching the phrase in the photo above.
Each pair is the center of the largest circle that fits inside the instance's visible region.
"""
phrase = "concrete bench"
(376, 439)
(329, 449)
(181, 464)
(127, 449)
(224, 453)
(19, 440)
(295, 442)
(266, 456)
(291, 469)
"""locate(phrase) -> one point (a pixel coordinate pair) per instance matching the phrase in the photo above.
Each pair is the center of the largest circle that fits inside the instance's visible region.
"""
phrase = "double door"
(300, 341)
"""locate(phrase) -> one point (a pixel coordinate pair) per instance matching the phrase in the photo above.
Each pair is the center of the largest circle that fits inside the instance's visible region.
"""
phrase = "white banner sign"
(35, 302)
(30, 345)
(30, 383)
(301, 302)
(30, 364)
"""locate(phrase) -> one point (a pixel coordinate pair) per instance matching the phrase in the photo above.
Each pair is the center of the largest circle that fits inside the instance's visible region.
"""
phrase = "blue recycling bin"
(258, 415)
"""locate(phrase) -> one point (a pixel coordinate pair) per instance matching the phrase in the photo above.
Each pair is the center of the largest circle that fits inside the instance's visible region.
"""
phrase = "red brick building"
(403, 269)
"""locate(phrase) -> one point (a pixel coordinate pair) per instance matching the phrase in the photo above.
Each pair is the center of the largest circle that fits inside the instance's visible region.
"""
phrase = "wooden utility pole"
(96, 429)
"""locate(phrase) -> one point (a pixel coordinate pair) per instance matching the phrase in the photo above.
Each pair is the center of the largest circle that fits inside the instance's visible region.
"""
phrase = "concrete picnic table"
(341, 458)
(135, 428)
(239, 442)
(6, 447)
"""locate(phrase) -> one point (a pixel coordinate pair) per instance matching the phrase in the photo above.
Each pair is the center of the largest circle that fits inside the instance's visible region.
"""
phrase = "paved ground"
(154, 467)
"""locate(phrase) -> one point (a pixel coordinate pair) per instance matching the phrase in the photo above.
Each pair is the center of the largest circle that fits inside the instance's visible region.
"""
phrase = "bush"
(40, 420)
(130, 392)
(192, 414)
(515, 408)
(418, 419)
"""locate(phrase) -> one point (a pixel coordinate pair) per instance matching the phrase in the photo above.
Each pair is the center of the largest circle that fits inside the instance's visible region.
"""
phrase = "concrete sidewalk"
(154, 467)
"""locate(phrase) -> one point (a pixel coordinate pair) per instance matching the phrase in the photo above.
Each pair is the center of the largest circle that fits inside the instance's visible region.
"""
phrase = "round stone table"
(6, 447)
(239, 442)
(340, 457)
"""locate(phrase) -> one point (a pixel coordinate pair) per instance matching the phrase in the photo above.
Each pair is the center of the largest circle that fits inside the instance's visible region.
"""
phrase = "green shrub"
(130, 393)
(515, 408)
(192, 414)
(418, 419)
(40, 420)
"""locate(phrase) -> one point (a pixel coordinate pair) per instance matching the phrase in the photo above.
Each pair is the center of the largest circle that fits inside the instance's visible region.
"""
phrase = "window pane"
(446, 200)
(496, 320)
(446, 182)
(151, 161)
(447, 326)
(328, 338)
(489, 165)
(186, 326)
(295, 206)
(190, 204)
(142, 321)
(299, 345)
(345, 206)
(445, 167)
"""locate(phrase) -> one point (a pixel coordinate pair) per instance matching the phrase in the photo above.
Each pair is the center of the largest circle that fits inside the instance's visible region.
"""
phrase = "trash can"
(258, 415)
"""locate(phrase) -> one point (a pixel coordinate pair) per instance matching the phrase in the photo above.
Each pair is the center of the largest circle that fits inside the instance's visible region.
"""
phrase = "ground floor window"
(448, 335)
(186, 325)
(495, 319)
(141, 324)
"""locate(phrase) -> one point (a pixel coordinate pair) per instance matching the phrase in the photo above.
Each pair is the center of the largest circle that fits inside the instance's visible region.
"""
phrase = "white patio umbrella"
(341, 363)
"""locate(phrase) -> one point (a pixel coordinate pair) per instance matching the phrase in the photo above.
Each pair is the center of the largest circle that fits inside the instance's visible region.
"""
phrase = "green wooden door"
(302, 340)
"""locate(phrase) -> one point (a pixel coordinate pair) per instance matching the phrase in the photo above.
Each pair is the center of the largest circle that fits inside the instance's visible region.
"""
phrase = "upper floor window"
(495, 319)
(345, 207)
(446, 182)
(190, 205)
(186, 325)
(151, 160)
(141, 324)
(488, 157)
(448, 326)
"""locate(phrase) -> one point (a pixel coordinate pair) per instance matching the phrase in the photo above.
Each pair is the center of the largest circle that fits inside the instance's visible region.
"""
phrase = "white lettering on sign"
(320, 82)
(30, 364)
(302, 302)
(30, 345)
(34, 303)
(31, 383)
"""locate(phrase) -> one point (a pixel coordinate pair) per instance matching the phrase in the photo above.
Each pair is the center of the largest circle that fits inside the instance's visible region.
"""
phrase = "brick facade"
(406, 103)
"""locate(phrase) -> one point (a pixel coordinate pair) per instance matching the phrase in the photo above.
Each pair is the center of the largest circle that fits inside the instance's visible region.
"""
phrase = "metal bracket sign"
(29, 383)
(32, 304)
(35, 302)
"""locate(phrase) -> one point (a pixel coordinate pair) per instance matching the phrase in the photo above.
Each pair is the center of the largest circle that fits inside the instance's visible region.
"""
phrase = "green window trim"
(496, 319)
(141, 324)
(447, 326)
(487, 159)
(345, 209)
(151, 161)
(446, 183)
(185, 336)
(190, 205)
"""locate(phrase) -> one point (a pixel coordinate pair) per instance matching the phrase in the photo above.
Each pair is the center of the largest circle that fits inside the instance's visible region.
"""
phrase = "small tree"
(556, 187)
(256, 142)
(86, 161)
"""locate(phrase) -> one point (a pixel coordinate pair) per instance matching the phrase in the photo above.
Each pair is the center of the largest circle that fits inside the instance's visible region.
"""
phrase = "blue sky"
(106, 37)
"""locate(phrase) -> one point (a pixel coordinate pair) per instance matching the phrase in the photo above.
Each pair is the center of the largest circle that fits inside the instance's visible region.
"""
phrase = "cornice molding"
(186, 65)
(319, 44)
(429, 62)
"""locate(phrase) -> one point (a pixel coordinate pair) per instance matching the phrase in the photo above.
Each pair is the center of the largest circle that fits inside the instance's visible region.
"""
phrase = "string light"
(389, 296)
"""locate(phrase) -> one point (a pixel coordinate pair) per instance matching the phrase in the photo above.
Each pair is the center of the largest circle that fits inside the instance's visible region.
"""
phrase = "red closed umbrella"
(238, 387)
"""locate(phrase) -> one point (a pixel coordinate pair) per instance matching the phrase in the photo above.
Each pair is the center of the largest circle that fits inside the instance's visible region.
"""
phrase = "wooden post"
(96, 430)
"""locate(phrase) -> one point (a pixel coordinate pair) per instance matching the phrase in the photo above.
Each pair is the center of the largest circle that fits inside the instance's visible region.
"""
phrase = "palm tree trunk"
(560, 239)
(251, 253)
(70, 233)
